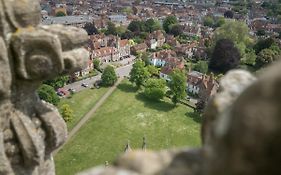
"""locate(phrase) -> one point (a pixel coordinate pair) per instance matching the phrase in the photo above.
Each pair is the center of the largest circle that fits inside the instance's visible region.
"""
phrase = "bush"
(48, 94)
(155, 89)
(66, 112)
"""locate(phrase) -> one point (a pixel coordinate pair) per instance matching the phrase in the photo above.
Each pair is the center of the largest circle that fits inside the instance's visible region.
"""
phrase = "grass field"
(82, 102)
(128, 116)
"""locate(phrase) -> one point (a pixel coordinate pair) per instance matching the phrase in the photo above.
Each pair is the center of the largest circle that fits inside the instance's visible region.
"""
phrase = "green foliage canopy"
(109, 76)
(139, 73)
(155, 89)
(177, 86)
(48, 94)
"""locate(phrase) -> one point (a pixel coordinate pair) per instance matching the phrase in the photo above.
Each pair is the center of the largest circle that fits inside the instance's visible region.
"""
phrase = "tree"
(91, 28)
(48, 94)
(249, 58)
(237, 32)
(152, 25)
(111, 29)
(96, 63)
(139, 73)
(109, 76)
(166, 46)
(263, 44)
(261, 32)
(177, 86)
(225, 56)
(208, 21)
(60, 13)
(120, 30)
(153, 71)
(155, 89)
(201, 66)
(219, 22)
(265, 57)
(127, 10)
(136, 26)
(169, 21)
(66, 113)
(176, 30)
(229, 14)
(57, 82)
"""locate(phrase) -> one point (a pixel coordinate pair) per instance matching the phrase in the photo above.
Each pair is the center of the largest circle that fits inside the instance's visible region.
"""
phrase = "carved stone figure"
(31, 129)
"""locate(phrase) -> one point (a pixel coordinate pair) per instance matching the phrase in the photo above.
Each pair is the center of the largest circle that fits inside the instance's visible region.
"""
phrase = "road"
(121, 72)
(90, 113)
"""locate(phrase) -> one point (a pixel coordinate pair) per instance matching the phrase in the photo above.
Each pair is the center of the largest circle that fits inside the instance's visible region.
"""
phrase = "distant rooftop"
(67, 20)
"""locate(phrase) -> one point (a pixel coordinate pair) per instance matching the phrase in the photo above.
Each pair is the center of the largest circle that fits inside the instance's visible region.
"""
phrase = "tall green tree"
(225, 56)
(263, 44)
(66, 113)
(153, 71)
(137, 26)
(208, 21)
(111, 29)
(201, 66)
(237, 32)
(48, 94)
(109, 76)
(139, 73)
(177, 86)
(265, 57)
(168, 22)
(96, 63)
(152, 25)
(155, 89)
(91, 28)
(176, 30)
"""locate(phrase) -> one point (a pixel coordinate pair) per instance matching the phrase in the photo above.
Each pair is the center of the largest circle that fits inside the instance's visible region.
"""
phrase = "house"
(172, 41)
(170, 64)
(123, 48)
(77, 21)
(97, 41)
(155, 39)
(202, 85)
(138, 48)
(160, 58)
(187, 49)
(109, 48)
(106, 54)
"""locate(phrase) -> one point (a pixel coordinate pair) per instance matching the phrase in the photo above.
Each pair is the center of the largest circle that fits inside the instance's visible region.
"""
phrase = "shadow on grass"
(195, 116)
(127, 87)
(158, 105)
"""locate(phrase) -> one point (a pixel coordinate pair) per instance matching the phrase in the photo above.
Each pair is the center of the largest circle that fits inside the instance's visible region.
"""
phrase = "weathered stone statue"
(30, 129)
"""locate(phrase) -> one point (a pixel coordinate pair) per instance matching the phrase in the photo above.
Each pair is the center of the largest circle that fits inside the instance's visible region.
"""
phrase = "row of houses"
(198, 84)
(108, 48)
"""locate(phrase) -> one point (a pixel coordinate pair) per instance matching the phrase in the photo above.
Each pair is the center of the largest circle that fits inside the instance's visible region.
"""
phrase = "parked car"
(84, 85)
(97, 84)
(60, 94)
(72, 90)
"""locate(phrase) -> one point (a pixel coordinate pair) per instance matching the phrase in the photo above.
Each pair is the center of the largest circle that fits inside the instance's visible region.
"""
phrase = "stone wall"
(241, 132)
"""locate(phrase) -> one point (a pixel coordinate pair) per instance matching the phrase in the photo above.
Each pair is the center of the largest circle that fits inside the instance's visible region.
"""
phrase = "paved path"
(121, 71)
(89, 114)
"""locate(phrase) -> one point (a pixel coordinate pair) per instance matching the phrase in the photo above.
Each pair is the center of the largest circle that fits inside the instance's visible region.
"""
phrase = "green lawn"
(128, 116)
(82, 102)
